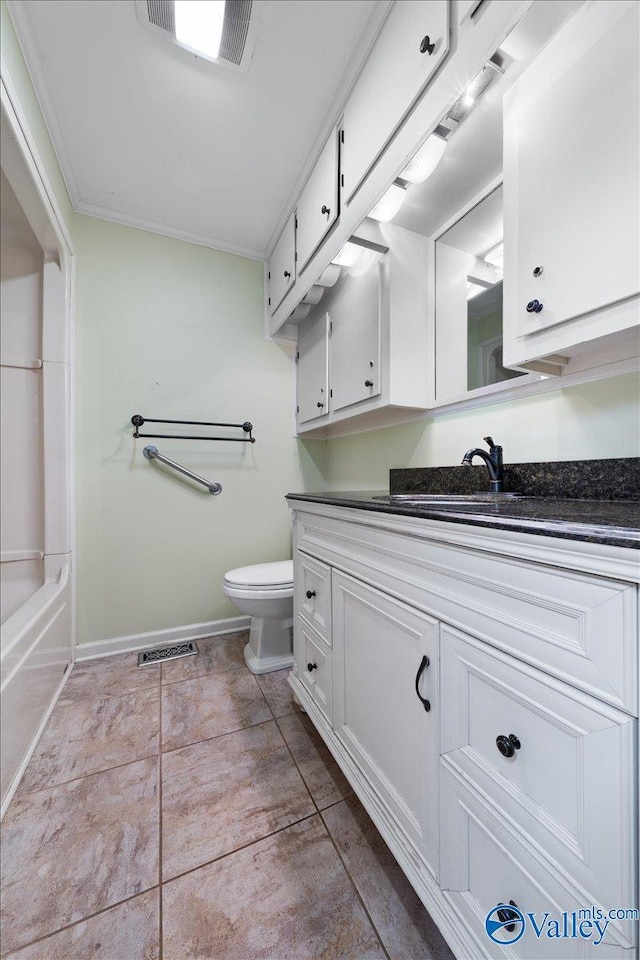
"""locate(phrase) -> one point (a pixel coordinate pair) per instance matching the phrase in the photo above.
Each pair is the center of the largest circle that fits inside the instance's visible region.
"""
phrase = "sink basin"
(415, 499)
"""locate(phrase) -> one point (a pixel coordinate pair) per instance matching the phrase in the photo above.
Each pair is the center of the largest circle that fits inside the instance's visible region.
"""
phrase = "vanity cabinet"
(571, 190)
(413, 42)
(318, 204)
(520, 782)
(282, 266)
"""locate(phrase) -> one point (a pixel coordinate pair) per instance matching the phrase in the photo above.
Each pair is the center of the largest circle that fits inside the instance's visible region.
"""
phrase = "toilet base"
(270, 645)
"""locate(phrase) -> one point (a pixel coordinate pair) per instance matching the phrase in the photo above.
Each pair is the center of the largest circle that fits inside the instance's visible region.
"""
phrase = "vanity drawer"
(313, 594)
(556, 763)
(314, 666)
(486, 861)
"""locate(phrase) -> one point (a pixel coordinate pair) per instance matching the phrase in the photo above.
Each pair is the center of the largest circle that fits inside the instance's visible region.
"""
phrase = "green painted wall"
(599, 419)
(170, 329)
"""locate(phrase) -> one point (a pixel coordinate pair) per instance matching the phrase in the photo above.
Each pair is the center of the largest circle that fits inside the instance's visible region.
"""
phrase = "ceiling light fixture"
(199, 25)
(424, 162)
(389, 203)
(495, 256)
(349, 255)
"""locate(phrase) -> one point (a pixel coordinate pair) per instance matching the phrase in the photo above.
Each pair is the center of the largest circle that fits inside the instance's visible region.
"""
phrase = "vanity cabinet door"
(385, 669)
(282, 266)
(412, 44)
(355, 339)
(313, 369)
(318, 203)
(572, 192)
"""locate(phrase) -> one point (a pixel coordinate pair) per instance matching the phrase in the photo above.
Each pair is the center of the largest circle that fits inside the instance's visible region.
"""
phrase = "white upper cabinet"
(571, 186)
(355, 340)
(313, 369)
(318, 204)
(411, 45)
(282, 266)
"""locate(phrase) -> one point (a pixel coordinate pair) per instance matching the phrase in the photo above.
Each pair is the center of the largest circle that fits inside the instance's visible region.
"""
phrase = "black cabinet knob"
(507, 916)
(426, 46)
(538, 271)
(534, 306)
(287, 274)
(310, 593)
(325, 209)
(368, 383)
(312, 666)
(318, 404)
(508, 745)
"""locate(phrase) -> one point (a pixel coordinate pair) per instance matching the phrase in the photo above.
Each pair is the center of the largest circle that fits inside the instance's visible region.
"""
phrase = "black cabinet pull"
(424, 663)
(318, 404)
(287, 274)
(368, 383)
(507, 916)
(310, 593)
(325, 209)
(508, 745)
(534, 306)
(538, 271)
(426, 46)
(312, 666)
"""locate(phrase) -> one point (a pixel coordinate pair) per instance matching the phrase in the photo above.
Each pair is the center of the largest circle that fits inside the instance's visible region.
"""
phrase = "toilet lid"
(262, 575)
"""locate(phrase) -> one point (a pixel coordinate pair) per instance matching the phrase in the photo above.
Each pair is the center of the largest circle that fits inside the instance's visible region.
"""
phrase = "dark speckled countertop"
(550, 504)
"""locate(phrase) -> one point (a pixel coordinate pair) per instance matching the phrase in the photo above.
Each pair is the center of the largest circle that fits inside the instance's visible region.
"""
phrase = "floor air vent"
(239, 30)
(188, 649)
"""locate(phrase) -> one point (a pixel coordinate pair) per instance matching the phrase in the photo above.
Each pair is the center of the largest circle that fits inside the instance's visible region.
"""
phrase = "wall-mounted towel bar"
(137, 420)
(151, 453)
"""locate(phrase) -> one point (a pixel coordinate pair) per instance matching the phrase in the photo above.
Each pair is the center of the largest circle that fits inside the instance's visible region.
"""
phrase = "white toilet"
(265, 592)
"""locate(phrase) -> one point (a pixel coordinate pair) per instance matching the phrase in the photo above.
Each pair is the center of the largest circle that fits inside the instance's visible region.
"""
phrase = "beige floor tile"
(130, 931)
(86, 736)
(221, 794)
(216, 654)
(210, 706)
(404, 926)
(322, 775)
(284, 898)
(110, 677)
(72, 850)
(276, 689)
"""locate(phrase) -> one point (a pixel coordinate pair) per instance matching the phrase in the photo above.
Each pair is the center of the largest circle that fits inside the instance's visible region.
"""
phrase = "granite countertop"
(612, 522)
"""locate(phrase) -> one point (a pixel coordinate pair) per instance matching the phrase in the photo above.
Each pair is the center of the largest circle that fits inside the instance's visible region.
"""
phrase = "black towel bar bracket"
(137, 420)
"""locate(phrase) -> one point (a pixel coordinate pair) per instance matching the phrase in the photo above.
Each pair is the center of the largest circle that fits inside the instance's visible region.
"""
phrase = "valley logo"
(507, 923)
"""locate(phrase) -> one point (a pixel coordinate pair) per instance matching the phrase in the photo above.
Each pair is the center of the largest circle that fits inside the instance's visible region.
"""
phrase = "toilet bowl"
(264, 591)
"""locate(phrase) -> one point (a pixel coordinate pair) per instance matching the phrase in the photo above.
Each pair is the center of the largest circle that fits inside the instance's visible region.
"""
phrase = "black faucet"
(493, 460)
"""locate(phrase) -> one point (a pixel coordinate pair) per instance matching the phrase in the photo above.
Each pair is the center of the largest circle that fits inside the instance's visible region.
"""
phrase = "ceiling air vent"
(226, 37)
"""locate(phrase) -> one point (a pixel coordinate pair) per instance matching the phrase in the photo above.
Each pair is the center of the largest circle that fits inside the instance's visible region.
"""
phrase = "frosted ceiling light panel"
(425, 160)
(314, 295)
(199, 25)
(389, 204)
(329, 276)
(349, 255)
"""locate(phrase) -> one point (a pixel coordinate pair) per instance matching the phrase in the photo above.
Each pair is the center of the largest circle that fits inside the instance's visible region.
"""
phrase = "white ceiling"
(150, 136)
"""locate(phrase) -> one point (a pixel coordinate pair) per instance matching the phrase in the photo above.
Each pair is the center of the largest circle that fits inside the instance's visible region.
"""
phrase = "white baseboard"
(157, 638)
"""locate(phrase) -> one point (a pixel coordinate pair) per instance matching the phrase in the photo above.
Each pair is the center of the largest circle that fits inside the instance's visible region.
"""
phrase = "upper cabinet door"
(571, 173)
(412, 43)
(355, 339)
(282, 266)
(318, 204)
(313, 369)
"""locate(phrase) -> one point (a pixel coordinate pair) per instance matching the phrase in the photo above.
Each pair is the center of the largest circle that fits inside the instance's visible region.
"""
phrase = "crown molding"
(333, 114)
(166, 230)
(19, 16)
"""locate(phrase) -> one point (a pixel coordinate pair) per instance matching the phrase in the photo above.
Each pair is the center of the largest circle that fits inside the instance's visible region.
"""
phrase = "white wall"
(583, 422)
(165, 328)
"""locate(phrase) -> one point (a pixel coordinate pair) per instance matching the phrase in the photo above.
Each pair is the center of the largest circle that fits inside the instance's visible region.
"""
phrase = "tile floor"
(190, 810)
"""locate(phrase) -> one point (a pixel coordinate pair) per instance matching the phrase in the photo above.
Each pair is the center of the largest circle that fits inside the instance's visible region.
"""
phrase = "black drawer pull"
(424, 663)
(508, 745)
(312, 666)
(310, 593)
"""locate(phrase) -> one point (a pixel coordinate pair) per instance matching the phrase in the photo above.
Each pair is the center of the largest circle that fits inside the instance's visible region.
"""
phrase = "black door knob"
(426, 46)
(534, 306)
(310, 593)
(325, 209)
(287, 274)
(312, 666)
(508, 745)
(318, 404)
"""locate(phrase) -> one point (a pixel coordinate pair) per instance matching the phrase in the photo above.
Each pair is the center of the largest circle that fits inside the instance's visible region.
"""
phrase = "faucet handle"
(489, 440)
